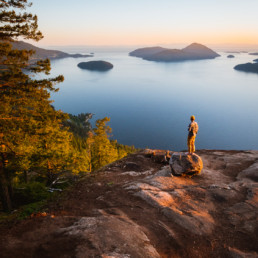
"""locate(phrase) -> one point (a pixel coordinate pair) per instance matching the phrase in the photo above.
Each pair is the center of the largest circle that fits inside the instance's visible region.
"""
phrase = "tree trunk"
(50, 176)
(8, 181)
(25, 176)
(4, 191)
(90, 161)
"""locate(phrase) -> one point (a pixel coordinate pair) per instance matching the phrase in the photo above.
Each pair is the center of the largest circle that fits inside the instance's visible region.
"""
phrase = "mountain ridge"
(41, 53)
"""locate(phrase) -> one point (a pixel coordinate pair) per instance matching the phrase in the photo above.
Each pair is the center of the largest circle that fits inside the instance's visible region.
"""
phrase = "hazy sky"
(147, 22)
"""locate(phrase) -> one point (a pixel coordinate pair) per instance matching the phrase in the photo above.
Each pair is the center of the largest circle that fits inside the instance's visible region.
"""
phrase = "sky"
(147, 22)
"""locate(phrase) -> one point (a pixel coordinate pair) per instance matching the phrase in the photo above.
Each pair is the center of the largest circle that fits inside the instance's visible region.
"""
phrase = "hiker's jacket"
(193, 128)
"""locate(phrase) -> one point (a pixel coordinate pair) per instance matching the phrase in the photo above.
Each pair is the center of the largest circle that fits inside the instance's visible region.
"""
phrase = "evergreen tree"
(53, 150)
(33, 134)
(90, 142)
(81, 130)
(26, 117)
(103, 152)
(79, 124)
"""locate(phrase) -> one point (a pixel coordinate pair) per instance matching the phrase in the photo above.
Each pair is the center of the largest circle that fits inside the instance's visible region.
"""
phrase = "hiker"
(192, 131)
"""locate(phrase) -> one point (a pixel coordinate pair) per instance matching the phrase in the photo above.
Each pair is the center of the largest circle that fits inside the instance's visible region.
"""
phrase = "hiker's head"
(192, 118)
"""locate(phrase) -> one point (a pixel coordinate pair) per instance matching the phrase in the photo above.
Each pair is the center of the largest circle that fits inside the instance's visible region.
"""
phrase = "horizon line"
(214, 46)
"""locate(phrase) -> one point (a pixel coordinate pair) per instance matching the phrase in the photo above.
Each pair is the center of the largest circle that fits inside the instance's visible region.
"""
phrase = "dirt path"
(134, 208)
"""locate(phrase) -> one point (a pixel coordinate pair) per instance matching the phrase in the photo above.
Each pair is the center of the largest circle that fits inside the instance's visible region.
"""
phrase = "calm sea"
(150, 103)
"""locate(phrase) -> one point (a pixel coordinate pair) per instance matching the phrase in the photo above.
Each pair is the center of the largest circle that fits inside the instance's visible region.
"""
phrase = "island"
(248, 67)
(194, 51)
(41, 53)
(236, 52)
(230, 56)
(255, 60)
(101, 66)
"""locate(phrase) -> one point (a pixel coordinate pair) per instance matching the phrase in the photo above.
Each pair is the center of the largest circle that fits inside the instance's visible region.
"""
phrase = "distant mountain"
(194, 51)
(147, 51)
(248, 67)
(254, 54)
(41, 53)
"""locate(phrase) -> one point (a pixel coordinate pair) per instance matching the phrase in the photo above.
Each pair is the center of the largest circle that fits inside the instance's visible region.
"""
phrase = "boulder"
(160, 156)
(185, 164)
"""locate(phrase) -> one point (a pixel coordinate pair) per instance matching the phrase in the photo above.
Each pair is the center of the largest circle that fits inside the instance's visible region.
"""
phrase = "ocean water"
(150, 103)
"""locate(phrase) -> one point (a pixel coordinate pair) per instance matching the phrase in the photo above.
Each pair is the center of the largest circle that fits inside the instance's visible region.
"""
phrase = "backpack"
(194, 129)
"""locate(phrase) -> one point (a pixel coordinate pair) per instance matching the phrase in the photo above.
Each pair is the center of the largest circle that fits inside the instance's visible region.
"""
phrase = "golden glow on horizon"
(147, 22)
(139, 38)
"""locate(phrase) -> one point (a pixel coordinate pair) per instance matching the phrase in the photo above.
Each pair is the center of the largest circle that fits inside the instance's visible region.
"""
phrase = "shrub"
(30, 192)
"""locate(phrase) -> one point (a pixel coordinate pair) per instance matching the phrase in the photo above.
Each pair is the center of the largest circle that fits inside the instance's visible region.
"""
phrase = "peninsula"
(194, 51)
(41, 53)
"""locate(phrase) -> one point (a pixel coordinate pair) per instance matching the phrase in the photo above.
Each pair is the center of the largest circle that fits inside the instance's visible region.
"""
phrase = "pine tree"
(103, 152)
(53, 148)
(25, 111)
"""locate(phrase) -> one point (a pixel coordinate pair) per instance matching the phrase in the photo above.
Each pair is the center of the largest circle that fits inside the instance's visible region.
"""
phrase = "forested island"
(248, 67)
(194, 51)
(96, 66)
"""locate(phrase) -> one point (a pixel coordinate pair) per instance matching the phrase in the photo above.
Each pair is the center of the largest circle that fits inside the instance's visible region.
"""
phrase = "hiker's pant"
(190, 143)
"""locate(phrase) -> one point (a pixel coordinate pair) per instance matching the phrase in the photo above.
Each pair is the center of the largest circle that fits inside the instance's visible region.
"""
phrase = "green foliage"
(15, 24)
(29, 125)
(36, 139)
(103, 151)
(31, 208)
(31, 192)
(123, 150)
(79, 125)
(92, 148)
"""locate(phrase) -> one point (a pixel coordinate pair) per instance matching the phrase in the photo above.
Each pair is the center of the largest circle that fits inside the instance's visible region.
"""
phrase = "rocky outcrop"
(135, 208)
(185, 164)
(255, 60)
(230, 56)
(96, 66)
(248, 67)
(113, 234)
(194, 51)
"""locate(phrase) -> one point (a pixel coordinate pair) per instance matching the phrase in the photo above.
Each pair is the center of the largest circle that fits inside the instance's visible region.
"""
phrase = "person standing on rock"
(192, 131)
